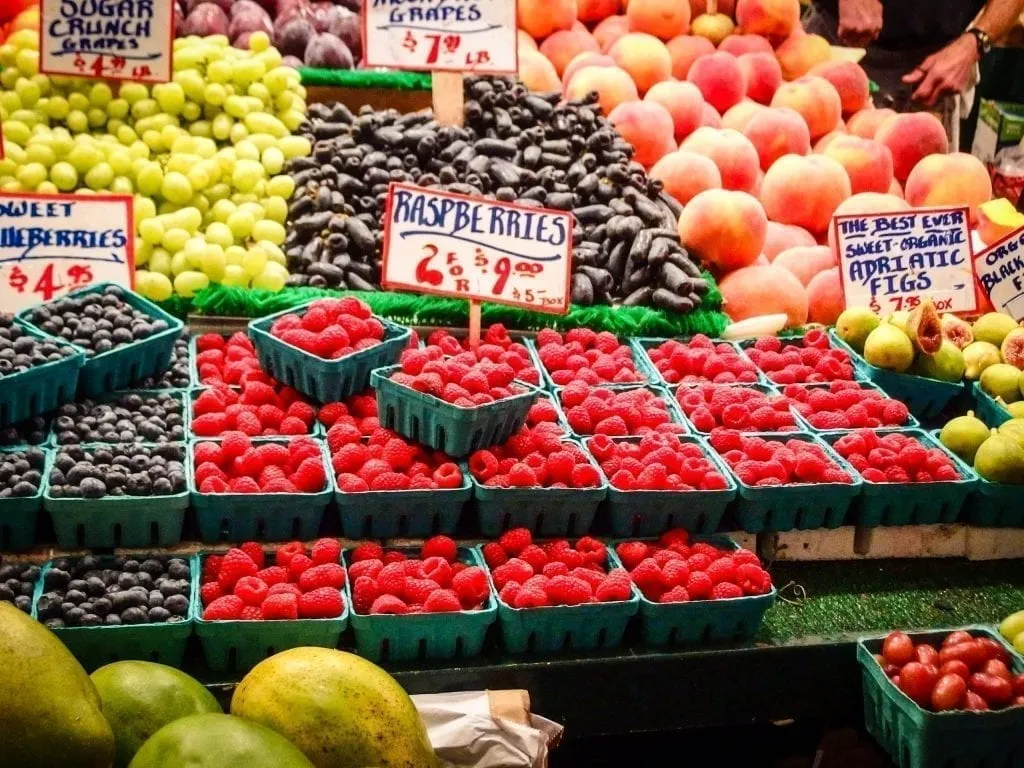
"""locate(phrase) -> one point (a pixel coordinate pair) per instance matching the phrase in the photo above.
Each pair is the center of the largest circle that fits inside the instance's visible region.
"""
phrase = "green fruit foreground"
(304, 707)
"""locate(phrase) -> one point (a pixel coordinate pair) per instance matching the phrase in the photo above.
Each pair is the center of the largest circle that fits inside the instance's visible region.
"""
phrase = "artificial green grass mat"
(874, 596)
(366, 78)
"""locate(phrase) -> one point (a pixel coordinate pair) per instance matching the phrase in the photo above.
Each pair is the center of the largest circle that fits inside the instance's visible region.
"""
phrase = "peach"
(724, 228)
(762, 74)
(782, 237)
(997, 219)
(610, 30)
(683, 101)
(896, 189)
(542, 17)
(686, 174)
(612, 85)
(524, 40)
(714, 26)
(537, 73)
(731, 151)
(661, 18)
(720, 79)
(647, 126)
(867, 163)
(697, 7)
(866, 202)
(581, 60)
(823, 143)
(740, 114)
(910, 137)
(804, 190)
(591, 11)
(686, 49)
(825, 299)
(644, 57)
(761, 261)
(806, 262)
(777, 131)
(738, 45)
(710, 117)
(563, 46)
(945, 180)
(815, 99)
(866, 122)
(770, 18)
(798, 54)
(850, 80)
(764, 290)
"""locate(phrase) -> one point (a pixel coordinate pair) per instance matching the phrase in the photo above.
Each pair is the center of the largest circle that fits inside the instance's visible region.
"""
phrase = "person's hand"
(945, 72)
(860, 21)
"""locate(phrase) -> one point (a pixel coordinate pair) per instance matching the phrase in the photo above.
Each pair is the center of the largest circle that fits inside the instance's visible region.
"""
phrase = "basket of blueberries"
(18, 583)
(145, 417)
(21, 495)
(37, 373)
(109, 608)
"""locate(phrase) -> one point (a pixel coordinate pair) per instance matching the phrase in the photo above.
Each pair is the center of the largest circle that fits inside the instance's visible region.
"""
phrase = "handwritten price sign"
(893, 261)
(51, 244)
(1000, 269)
(465, 247)
(112, 39)
(471, 35)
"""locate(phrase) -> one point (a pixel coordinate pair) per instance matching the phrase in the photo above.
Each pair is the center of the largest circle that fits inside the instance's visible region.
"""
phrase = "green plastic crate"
(643, 345)
(444, 426)
(18, 515)
(987, 409)
(238, 646)
(235, 517)
(551, 386)
(675, 413)
(586, 627)
(119, 521)
(803, 506)
(917, 738)
(650, 513)
(96, 646)
(995, 505)
(42, 388)
(411, 637)
(326, 381)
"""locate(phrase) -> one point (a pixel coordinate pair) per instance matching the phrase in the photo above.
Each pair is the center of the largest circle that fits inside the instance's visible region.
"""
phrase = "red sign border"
(948, 209)
(385, 283)
(170, 55)
(474, 71)
(1017, 233)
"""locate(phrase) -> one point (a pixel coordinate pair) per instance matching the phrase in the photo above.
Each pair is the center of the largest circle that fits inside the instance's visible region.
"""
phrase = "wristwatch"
(982, 39)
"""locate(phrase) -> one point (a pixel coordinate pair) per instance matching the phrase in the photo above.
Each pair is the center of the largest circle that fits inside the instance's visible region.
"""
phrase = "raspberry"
(483, 465)
(743, 557)
(721, 570)
(568, 590)
(233, 566)
(699, 585)
(275, 574)
(282, 606)
(285, 589)
(389, 604)
(648, 578)
(448, 476)
(224, 609)
(209, 424)
(471, 586)
(753, 579)
(330, 413)
(514, 570)
(614, 587)
(325, 575)
(530, 597)
(322, 603)
(398, 454)
(210, 592)
(535, 556)
(310, 476)
(251, 590)
(298, 565)
(390, 481)
(515, 541)
(349, 483)
(285, 552)
(585, 476)
(725, 591)
(632, 553)
(494, 554)
(370, 568)
(440, 546)
(442, 601)
(341, 434)
(326, 551)
(677, 594)
(946, 472)
(364, 593)
(394, 557)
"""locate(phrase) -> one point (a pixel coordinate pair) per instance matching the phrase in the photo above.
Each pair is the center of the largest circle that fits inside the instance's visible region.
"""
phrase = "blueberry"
(73, 616)
(101, 606)
(23, 603)
(152, 566)
(74, 596)
(112, 620)
(91, 620)
(178, 569)
(56, 579)
(159, 614)
(78, 584)
(177, 604)
(54, 623)
(134, 616)
(7, 594)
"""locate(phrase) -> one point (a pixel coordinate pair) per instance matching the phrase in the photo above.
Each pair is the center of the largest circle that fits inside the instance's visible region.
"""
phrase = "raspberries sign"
(245, 584)
(582, 355)
(534, 458)
(763, 462)
(259, 408)
(528, 575)
(618, 413)
(895, 458)
(462, 380)
(809, 360)
(359, 410)
(237, 465)
(495, 345)
(675, 569)
(387, 462)
(437, 581)
(227, 361)
(701, 360)
(744, 408)
(330, 328)
(656, 463)
(846, 405)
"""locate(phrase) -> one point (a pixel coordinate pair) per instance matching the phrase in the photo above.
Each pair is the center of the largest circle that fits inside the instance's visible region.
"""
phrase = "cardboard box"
(1000, 124)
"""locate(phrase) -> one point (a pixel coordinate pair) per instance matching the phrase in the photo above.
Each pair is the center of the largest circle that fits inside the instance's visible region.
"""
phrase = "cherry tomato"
(917, 681)
(891, 671)
(898, 648)
(1018, 684)
(955, 667)
(997, 668)
(993, 649)
(974, 702)
(995, 690)
(955, 638)
(970, 653)
(949, 693)
(926, 654)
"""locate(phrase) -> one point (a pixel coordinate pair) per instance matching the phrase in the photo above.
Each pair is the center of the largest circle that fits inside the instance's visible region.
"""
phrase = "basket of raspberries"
(697, 589)
(536, 480)
(495, 345)
(583, 355)
(909, 478)
(844, 405)
(660, 482)
(808, 359)
(748, 408)
(556, 594)
(452, 404)
(699, 360)
(619, 412)
(256, 408)
(231, 360)
(256, 601)
(327, 348)
(434, 602)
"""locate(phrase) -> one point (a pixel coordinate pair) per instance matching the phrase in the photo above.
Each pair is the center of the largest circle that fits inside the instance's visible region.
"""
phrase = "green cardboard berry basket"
(545, 511)
(917, 738)
(178, 394)
(911, 422)
(988, 408)
(95, 646)
(913, 503)
(644, 344)
(650, 513)
(234, 517)
(326, 381)
(701, 622)
(766, 389)
(586, 627)
(551, 386)
(18, 514)
(41, 388)
(411, 637)
(119, 521)
(238, 646)
(120, 367)
(924, 397)
(801, 506)
(444, 426)
(317, 430)
(675, 413)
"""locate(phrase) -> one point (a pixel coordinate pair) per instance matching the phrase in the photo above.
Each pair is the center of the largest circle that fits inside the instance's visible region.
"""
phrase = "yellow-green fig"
(889, 347)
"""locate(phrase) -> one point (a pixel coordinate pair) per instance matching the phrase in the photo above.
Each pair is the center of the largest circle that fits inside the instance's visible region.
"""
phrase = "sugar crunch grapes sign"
(111, 39)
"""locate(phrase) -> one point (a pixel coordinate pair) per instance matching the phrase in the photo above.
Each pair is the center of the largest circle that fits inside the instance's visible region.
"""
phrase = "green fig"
(956, 330)
(993, 327)
(900, 320)
(1000, 460)
(964, 435)
(854, 325)
(947, 364)
(924, 327)
(1001, 380)
(979, 355)
(1016, 410)
(1012, 348)
(1014, 429)
(889, 347)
